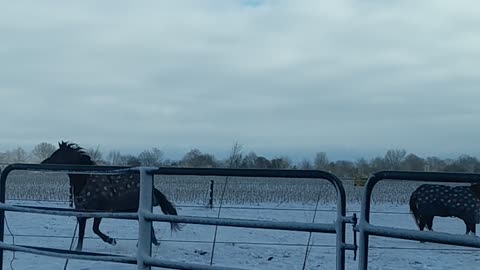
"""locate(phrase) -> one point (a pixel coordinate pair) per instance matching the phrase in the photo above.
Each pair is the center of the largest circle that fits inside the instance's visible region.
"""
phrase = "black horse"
(104, 192)
(463, 202)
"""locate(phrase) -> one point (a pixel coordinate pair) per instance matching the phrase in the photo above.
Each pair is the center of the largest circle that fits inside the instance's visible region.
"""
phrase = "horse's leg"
(96, 230)
(470, 228)
(82, 222)
(429, 222)
(154, 238)
(421, 224)
(467, 227)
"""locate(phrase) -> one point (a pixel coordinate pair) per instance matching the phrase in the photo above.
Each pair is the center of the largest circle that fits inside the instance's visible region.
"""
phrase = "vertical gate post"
(340, 227)
(2, 214)
(144, 226)
(363, 222)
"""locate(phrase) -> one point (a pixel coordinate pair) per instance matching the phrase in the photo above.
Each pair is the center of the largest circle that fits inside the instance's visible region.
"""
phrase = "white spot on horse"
(105, 188)
(88, 194)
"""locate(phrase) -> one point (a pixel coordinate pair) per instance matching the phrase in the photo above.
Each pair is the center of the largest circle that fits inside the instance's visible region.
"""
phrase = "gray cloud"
(279, 76)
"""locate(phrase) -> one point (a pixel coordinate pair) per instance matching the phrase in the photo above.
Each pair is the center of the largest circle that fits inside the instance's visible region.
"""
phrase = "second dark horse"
(463, 202)
(104, 192)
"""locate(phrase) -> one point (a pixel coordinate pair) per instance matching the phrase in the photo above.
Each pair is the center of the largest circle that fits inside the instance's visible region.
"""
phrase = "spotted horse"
(104, 192)
(463, 202)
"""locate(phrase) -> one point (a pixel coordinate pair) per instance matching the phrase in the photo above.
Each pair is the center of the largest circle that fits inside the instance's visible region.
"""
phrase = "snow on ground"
(240, 247)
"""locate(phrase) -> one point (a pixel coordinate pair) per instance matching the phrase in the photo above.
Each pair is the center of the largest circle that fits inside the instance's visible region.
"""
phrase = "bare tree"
(435, 164)
(393, 158)
(320, 161)
(305, 164)
(377, 164)
(463, 163)
(343, 168)
(42, 151)
(469, 163)
(130, 160)
(235, 158)
(363, 168)
(263, 163)
(95, 154)
(413, 163)
(281, 163)
(17, 155)
(152, 157)
(195, 158)
(114, 157)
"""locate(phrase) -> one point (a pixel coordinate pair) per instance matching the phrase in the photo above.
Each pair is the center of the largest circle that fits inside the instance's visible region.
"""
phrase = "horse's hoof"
(113, 242)
(156, 243)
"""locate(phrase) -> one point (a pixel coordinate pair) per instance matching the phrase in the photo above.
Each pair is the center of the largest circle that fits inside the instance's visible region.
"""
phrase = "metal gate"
(366, 229)
(145, 216)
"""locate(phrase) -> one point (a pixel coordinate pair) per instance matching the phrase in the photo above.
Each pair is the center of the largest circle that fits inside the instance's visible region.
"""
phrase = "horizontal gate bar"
(66, 212)
(426, 236)
(288, 226)
(270, 173)
(185, 266)
(59, 253)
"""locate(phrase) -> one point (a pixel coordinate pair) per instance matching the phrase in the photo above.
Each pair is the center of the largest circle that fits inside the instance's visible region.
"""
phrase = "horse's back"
(107, 192)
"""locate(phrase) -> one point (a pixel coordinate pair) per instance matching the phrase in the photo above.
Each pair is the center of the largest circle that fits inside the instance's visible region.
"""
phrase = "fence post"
(2, 213)
(210, 202)
(144, 226)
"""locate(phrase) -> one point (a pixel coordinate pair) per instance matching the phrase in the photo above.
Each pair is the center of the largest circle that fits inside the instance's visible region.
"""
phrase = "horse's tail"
(414, 210)
(167, 208)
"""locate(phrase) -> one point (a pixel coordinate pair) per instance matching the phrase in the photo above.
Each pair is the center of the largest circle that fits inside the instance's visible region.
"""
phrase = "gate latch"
(353, 220)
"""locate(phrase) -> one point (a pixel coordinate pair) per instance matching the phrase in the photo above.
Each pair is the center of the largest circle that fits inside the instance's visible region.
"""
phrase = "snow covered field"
(241, 247)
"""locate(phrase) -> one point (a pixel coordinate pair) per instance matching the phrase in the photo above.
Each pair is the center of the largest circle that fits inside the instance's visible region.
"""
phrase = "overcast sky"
(352, 78)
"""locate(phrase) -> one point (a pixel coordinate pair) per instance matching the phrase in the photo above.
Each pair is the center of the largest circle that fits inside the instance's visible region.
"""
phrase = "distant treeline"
(394, 159)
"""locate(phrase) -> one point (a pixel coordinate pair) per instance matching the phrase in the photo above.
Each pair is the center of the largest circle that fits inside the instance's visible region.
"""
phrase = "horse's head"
(69, 153)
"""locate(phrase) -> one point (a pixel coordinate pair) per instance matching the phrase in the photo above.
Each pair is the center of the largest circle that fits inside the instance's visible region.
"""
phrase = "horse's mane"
(76, 148)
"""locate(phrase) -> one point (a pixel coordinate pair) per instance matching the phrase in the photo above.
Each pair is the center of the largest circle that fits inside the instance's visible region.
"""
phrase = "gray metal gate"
(366, 229)
(145, 216)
